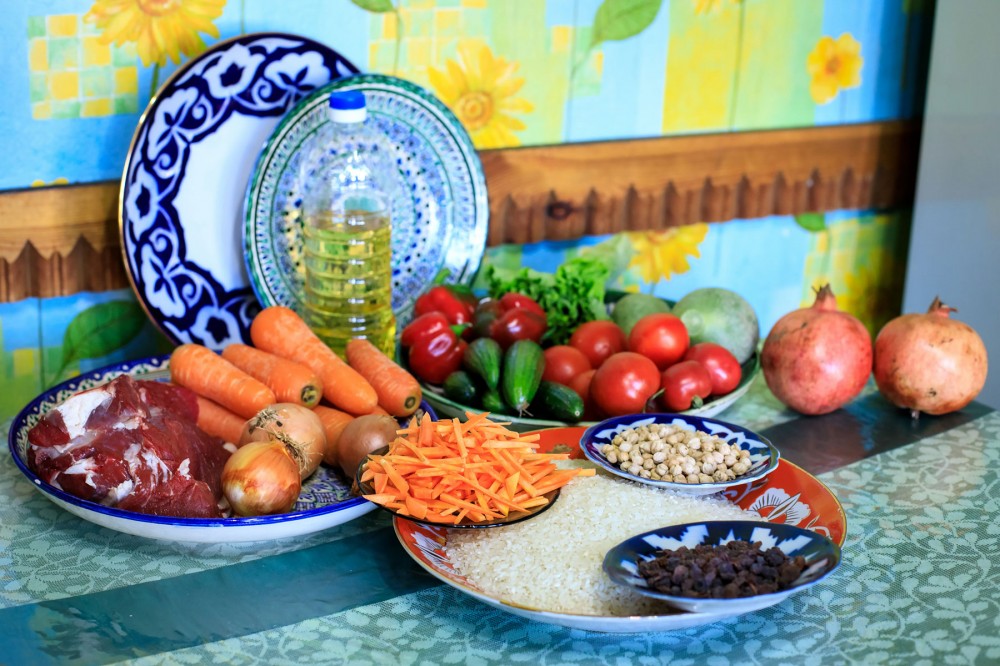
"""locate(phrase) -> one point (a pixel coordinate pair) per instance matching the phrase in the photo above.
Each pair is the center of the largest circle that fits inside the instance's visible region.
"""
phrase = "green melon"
(633, 307)
(713, 314)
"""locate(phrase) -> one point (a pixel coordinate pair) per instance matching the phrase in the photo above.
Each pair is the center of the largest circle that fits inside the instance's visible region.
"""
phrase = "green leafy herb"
(574, 294)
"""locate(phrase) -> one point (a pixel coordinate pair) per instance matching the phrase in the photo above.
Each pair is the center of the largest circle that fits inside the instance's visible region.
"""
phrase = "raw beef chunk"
(132, 445)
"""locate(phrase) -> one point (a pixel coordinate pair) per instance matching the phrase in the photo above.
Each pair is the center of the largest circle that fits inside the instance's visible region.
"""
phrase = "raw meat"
(132, 445)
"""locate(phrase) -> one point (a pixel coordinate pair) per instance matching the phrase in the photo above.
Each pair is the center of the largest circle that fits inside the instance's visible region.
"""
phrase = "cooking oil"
(349, 279)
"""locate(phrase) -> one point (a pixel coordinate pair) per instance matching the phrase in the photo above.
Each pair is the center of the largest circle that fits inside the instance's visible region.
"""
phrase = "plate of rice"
(549, 568)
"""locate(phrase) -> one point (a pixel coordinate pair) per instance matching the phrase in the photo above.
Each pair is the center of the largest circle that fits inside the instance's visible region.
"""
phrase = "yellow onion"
(261, 479)
(297, 427)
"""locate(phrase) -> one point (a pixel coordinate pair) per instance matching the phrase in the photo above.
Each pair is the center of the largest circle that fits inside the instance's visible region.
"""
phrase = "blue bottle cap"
(347, 100)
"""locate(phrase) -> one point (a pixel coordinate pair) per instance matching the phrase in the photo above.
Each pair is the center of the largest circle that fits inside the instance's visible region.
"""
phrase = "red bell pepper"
(511, 318)
(434, 350)
(457, 303)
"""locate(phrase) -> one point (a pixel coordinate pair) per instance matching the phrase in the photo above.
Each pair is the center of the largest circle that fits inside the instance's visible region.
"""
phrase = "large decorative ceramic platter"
(439, 208)
(186, 174)
(326, 499)
(788, 495)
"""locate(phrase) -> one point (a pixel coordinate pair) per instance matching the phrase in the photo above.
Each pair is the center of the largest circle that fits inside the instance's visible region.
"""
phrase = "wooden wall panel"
(61, 240)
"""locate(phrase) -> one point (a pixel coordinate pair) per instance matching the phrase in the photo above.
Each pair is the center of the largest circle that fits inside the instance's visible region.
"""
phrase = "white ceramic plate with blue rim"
(325, 501)
(763, 455)
(186, 173)
(821, 555)
(439, 210)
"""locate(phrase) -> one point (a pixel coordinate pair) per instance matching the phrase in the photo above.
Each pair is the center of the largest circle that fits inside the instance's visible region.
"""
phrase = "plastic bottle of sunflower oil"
(347, 253)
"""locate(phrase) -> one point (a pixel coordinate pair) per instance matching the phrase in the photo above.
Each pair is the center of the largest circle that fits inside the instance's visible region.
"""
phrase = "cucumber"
(463, 388)
(523, 365)
(482, 358)
(557, 402)
(493, 403)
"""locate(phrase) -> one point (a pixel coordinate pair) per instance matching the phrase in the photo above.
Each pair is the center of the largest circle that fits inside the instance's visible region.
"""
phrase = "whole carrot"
(213, 377)
(290, 381)
(279, 330)
(334, 421)
(398, 391)
(219, 421)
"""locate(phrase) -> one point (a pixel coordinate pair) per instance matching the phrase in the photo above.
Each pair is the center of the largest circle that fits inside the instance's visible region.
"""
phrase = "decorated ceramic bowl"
(822, 557)
(326, 499)
(763, 456)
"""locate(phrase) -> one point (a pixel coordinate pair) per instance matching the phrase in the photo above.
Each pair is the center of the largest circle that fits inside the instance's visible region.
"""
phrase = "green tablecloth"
(920, 583)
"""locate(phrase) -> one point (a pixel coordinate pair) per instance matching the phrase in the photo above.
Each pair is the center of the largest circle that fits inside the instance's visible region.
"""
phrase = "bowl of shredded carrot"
(471, 473)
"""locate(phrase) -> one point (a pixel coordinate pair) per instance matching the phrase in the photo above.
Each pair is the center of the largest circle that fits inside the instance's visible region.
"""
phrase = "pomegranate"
(929, 362)
(817, 359)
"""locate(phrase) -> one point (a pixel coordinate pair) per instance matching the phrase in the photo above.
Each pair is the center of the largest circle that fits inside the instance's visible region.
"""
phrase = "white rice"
(552, 562)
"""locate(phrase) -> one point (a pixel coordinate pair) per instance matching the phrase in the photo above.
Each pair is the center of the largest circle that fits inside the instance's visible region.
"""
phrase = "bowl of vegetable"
(722, 566)
(694, 455)
(547, 350)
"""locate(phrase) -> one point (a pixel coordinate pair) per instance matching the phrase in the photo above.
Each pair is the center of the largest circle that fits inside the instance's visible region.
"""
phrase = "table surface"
(919, 583)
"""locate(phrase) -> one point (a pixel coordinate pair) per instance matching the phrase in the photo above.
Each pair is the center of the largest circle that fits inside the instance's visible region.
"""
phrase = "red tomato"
(660, 337)
(563, 363)
(624, 383)
(682, 383)
(722, 366)
(581, 384)
(598, 340)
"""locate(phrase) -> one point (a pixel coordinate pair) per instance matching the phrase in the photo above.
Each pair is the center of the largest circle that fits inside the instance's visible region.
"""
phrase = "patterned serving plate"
(186, 174)
(439, 208)
(763, 456)
(788, 495)
(325, 501)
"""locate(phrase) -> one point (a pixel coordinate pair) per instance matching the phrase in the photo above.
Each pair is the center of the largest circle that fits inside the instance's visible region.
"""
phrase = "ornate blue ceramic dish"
(763, 456)
(325, 501)
(821, 554)
(439, 209)
(186, 175)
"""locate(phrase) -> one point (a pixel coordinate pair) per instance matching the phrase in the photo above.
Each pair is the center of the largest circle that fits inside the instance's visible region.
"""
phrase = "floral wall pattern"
(78, 73)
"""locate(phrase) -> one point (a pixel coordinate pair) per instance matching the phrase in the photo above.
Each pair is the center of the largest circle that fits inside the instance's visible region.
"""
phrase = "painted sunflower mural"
(659, 254)
(835, 64)
(159, 28)
(481, 89)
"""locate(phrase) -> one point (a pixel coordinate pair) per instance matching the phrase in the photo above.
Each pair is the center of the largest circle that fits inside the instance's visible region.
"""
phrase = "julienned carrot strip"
(279, 330)
(447, 471)
(398, 391)
(219, 421)
(211, 376)
(290, 381)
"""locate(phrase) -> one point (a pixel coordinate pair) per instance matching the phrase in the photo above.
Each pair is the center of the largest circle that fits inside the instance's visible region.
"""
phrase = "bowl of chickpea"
(690, 454)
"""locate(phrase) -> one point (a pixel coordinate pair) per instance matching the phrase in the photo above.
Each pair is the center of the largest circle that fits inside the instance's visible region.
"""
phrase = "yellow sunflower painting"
(709, 6)
(834, 64)
(659, 254)
(480, 88)
(159, 28)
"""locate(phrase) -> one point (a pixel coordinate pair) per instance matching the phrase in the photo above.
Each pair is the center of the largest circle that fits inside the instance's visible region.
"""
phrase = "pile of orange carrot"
(448, 471)
(289, 363)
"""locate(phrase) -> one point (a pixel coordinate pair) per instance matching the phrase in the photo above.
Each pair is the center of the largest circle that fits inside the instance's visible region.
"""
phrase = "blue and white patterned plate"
(186, 175)
(325, 501)
(439, 213)
(763, 456)
(821, 554)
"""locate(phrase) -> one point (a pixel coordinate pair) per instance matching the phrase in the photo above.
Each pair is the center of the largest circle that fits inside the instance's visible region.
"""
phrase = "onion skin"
(261, 479)
(298, 427)
(817, 359)
(362, 436)
(930, 363)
